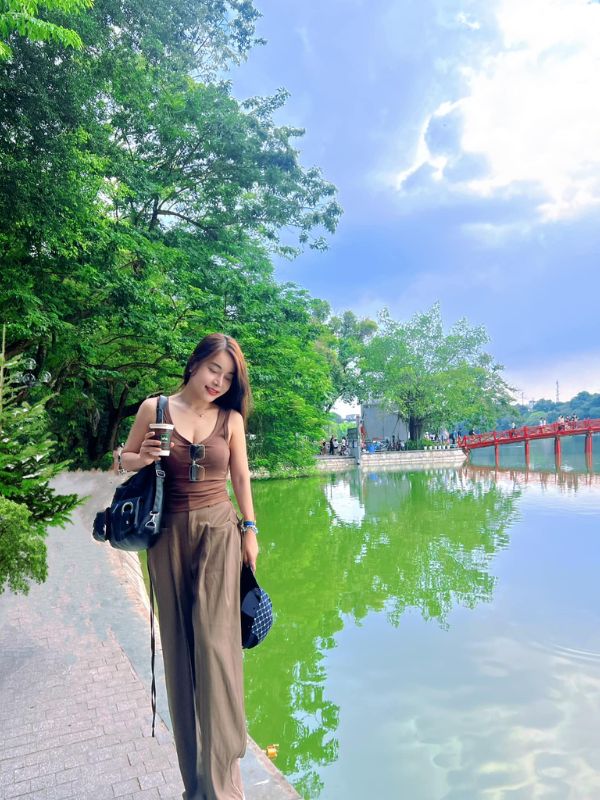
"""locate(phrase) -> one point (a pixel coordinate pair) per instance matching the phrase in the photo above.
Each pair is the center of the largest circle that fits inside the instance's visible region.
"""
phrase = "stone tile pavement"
(75, 715)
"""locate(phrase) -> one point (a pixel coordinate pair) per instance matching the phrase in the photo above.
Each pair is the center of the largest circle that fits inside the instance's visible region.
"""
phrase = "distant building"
(381, 425)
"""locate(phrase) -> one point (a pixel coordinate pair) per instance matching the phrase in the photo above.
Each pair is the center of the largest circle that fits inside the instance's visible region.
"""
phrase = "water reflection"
(542, 456)
(345, 502)
(340, 547)
(563, 479)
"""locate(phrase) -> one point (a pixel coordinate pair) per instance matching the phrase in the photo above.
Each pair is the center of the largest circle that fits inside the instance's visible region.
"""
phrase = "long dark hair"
(239, 395)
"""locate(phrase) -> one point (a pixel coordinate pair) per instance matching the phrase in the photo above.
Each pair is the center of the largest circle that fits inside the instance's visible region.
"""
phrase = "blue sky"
(464, 139)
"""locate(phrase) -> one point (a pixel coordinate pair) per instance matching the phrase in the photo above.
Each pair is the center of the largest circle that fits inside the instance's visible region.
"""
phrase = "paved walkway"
(75, 715)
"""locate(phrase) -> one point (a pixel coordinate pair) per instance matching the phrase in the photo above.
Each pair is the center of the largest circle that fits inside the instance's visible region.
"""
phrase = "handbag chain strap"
(152, 655)
(161, 404)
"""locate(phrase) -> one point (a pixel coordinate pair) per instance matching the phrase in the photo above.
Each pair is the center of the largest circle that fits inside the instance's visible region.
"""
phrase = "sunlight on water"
(437, 634)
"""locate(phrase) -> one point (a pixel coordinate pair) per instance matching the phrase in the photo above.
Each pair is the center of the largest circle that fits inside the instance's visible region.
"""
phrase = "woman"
(195, 565)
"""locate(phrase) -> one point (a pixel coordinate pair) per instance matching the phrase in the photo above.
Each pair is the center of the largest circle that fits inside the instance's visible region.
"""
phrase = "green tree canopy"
(139, 205)
(584, 405)
(28, 504)
(432, 378)
(21, 17)
(343, 344)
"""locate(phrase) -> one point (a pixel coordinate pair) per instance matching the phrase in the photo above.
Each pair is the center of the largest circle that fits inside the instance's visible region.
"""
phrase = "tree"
(139, 204)
(584, 405)
(28, 505)
(431, 378)
(343, 344)
(21, 17)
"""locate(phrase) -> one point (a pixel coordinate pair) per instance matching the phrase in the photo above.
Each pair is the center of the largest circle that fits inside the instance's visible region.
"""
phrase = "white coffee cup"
(163, 431)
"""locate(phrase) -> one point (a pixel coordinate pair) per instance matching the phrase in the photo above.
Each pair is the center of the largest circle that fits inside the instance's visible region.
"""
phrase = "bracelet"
(121, 469)
(250, 524)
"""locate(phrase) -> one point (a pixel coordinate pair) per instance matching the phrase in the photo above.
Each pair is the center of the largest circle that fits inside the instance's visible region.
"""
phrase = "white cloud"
(464, 19)
(530, 120)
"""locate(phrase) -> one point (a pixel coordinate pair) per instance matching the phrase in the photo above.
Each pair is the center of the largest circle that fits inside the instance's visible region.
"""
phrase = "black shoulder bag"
(132, 522)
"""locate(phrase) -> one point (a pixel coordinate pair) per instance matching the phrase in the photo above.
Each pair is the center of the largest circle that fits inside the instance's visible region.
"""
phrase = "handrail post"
(589, 457)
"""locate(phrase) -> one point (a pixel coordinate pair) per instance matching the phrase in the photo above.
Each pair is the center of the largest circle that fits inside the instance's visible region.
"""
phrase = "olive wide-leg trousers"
(195, 570)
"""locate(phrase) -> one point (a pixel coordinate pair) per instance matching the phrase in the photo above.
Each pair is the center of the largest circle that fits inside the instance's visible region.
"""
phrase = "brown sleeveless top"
(181, 494)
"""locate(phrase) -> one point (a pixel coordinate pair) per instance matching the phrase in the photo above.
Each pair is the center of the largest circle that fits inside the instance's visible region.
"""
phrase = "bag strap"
(152, 654)
(161, 405)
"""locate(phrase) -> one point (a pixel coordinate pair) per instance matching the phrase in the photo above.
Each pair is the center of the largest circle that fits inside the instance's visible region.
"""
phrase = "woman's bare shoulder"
(235, 423)
(147, 407)
(235, 417)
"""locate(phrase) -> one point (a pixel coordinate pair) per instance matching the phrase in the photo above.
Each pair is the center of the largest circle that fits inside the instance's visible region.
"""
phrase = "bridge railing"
(528, 432)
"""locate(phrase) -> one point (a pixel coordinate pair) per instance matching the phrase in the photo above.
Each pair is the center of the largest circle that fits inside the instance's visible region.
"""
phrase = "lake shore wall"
(404, 459)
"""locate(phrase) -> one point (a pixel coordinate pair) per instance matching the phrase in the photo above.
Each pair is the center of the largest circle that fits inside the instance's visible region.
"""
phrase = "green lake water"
(437, 633)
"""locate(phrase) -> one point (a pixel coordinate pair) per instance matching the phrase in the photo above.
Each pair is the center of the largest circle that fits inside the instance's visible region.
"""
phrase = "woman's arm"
(141, 447)
(240, 480)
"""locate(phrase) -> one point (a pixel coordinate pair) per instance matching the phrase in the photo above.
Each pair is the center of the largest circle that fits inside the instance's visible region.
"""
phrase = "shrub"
(26, 470)
(22, 548)
(417, 444)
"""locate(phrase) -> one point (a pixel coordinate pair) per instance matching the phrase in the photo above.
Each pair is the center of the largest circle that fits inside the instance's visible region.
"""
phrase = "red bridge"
(526, 434)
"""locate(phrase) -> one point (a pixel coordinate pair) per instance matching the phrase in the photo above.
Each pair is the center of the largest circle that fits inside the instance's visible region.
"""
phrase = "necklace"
(199, 414)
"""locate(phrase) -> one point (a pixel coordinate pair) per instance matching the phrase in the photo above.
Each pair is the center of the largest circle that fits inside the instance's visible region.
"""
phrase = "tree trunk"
(114, 420)
(93, 450)
(110, 435)
(115, 414)
(415, 427)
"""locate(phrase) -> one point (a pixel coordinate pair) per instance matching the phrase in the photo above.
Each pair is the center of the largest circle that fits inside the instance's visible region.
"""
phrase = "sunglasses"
(197, 471)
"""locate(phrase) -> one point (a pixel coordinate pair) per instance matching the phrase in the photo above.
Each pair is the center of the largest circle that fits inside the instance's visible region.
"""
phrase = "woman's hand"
(149, 449)
(250, 549)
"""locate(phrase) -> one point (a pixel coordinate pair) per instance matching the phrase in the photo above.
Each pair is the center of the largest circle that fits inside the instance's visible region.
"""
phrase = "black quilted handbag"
(132, 522)
(256, 608)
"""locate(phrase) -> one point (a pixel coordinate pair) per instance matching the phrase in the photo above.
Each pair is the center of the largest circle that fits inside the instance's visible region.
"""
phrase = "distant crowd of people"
(395, 443)
(341, 447)
(563, 423)
(567, 422)
(443, 437)
(335, 447)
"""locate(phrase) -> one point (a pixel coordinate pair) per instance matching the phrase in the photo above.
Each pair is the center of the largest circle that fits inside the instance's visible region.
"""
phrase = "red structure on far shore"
(526, 434)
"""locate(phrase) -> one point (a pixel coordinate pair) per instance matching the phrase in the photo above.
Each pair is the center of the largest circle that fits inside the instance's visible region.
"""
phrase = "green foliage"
(343, 344)
(22, 548)
(26, 470)
(584, 405)
(431, 378)
(21, 17)
(290, 381)
(336, 426)
(167, 196)
(417, 444)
